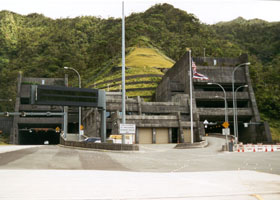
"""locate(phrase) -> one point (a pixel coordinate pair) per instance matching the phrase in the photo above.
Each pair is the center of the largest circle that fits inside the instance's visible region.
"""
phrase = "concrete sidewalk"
(9, 148)
(91, 184)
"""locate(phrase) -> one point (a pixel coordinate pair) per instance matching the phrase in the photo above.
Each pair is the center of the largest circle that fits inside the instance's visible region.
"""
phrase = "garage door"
(161, 135)
(145, 136)
(187, 135)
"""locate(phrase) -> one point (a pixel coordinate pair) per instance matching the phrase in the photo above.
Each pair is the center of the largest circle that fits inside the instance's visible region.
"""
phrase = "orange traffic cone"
(272, 149)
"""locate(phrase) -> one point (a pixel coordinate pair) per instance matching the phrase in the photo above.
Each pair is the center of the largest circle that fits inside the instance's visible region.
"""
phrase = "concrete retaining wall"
(6, 123)
(201, 144)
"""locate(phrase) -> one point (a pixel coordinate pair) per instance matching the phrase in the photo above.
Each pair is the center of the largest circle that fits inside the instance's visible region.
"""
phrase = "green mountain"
(242, 21)
(40, 46)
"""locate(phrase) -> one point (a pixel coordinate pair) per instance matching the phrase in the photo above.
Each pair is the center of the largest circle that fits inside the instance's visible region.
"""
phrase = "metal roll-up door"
(187, 135)
(161, 135)
(145, 136)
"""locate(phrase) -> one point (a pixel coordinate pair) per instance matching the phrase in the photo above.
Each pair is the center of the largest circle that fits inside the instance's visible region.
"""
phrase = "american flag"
(197, 75)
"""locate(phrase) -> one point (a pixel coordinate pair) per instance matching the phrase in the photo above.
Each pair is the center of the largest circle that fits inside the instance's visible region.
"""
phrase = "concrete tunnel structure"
(167, 119)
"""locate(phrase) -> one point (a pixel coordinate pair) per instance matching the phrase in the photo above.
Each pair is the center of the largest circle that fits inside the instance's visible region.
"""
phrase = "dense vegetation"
(40, 46)
(262, 42)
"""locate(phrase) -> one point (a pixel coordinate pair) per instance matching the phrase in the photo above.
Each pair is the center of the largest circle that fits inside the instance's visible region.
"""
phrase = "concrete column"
(139, 105)
(103, 125)
(169, 135)
(95, 127)
(137, 136)
(65, 122)
(65, 110)
(14, 138)
(154, 135)
(181, 132)
(102, 95)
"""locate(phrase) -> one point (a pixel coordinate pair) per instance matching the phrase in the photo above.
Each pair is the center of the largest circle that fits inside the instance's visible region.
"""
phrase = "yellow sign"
(57, 129)
(225, 124)
(81, 127)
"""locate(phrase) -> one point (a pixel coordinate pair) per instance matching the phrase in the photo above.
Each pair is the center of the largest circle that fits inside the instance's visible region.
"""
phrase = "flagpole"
(191, 108)
(123, 70)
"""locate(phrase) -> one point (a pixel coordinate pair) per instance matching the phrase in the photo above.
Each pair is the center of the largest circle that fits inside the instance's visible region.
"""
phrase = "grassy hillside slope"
(144, 67)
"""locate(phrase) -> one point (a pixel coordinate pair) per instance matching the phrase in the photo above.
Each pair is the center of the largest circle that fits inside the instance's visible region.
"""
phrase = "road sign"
(127, 128)
(225, 124)
(226, 131)
(64, 96)
(57, 129)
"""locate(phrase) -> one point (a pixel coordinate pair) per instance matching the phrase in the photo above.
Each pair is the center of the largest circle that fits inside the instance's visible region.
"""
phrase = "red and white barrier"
(257, 148)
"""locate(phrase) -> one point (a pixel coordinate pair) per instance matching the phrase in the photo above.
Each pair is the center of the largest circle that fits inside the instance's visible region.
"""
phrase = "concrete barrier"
(104, 146)
(201, 144)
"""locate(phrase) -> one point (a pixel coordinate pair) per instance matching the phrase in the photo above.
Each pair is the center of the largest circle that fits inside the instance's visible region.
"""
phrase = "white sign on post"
(127, 128)
(226, 131)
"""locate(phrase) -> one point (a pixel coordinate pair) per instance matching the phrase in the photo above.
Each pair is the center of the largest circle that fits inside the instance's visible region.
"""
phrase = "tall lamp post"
(236, 113)
(80, 108)
(225, 99)
(123, 72)
(233, 101)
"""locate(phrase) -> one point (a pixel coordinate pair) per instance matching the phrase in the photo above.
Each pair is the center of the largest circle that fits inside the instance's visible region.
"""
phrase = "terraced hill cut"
(147, 57)
(144, 68)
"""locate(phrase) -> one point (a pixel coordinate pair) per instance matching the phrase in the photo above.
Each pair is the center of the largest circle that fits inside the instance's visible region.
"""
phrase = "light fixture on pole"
(236, 113)
(233, 102)
(80, 108)
(191, 99)
(225, 99)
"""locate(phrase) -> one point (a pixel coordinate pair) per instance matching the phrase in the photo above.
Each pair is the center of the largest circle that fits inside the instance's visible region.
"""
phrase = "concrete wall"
(176, 80)
(218, 74)
(40, 81)
(23, 91)
(178, 74)
(209, 61)
(91, 121)
(6, 123)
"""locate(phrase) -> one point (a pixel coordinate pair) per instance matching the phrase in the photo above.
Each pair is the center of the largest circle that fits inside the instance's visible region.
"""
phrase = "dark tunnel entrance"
(38, 135)
(216, 128)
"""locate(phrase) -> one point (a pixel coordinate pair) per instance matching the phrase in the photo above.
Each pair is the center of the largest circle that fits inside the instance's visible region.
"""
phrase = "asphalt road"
(155, 172)
(150, 158)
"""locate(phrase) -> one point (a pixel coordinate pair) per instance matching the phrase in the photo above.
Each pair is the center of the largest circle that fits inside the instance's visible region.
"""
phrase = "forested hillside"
(40, 46)
(262, 41)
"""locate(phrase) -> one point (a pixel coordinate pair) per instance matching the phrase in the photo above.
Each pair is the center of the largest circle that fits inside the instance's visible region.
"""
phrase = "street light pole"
(236, 114)
(233, 102)
(226, 113)
(123, 72)
(80, 108)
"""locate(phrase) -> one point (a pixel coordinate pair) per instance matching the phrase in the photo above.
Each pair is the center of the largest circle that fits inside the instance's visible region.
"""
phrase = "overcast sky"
(208, 11)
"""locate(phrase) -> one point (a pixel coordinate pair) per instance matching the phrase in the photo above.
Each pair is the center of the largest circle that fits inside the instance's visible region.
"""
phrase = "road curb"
(98, 150)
